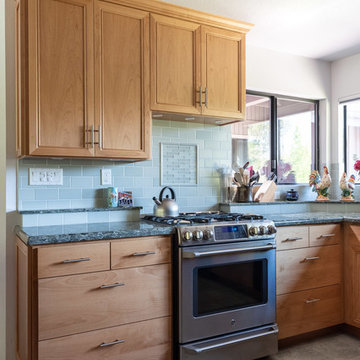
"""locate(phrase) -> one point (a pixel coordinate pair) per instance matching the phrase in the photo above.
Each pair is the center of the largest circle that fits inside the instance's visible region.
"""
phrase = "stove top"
(208, 217)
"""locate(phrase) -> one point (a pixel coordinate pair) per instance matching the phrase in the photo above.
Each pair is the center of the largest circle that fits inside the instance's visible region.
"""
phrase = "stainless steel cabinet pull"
(112, 343)
(92, 131)
(201, 92)
(206, 97)
(111, 285)
(70, 261)
(312, 258)
(144, 253)
(327, 235)
(292, 239)
(100, 137)
(309, 301)
(197, 254)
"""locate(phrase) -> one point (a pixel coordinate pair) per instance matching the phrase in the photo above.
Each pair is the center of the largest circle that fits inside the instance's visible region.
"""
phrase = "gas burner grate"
(202, 218)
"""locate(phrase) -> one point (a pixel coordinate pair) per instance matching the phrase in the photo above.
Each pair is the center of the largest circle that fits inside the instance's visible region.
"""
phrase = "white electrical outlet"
(45, 176)
(106, 177)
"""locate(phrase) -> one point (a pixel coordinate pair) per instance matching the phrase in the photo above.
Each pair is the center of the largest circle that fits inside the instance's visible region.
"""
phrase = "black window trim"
(274, 150)
(344, 103)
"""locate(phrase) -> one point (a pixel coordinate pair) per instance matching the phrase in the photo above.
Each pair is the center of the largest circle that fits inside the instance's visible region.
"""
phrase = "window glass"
(251, 138)
(352, 134)
(296, 140)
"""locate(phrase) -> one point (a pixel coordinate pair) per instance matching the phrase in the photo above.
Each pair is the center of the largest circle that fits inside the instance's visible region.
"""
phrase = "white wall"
(10, 180)
(2, 184)
(345, 83)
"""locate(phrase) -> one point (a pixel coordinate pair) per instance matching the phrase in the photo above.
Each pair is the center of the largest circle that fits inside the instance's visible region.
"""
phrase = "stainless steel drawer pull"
(309, 301)
(327, 235)
(112, 285)
(292, 239)
(312, 258)
(112, 343)
(70, 261)
(144, 253)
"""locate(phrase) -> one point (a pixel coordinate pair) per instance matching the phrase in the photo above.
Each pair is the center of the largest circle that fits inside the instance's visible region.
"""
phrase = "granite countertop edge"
(60, 211)
(144, 228)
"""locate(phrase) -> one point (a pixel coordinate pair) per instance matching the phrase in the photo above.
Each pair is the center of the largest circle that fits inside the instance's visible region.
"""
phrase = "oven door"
(225, 288)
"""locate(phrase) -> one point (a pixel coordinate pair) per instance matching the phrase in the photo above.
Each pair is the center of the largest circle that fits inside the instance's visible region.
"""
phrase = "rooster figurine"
(320, 186)
(347, 187)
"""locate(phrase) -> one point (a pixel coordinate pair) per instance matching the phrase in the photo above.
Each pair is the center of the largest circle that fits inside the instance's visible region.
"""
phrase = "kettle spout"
(157, 202)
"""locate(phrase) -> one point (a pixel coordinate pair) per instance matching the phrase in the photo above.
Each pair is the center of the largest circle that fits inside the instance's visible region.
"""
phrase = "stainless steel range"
(225, 270)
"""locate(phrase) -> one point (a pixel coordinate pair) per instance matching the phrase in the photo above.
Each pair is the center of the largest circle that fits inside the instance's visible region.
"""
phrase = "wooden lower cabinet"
(309, 310)
(309, 278)
(84, 310)
(79, 303)
(148, 340)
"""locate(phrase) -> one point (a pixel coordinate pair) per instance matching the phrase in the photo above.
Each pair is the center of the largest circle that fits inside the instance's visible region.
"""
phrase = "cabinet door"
(175, 65)
(60, 45)
(352, 274)
(121, 82)
(223, 72)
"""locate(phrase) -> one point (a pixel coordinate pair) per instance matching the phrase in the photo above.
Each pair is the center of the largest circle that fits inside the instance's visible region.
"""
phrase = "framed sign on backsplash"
(179, 164)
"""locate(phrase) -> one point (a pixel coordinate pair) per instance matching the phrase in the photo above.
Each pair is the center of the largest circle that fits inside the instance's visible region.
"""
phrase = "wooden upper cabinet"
(181, 83)
(223, 72)
(60, 51)
(123, 117)
(175, 65)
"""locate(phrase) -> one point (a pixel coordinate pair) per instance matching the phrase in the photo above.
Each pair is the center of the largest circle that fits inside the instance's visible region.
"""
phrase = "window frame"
(274, 135)
(344, 104)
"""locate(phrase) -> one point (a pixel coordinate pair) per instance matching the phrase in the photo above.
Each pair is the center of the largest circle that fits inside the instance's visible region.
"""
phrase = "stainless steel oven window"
(231, 286)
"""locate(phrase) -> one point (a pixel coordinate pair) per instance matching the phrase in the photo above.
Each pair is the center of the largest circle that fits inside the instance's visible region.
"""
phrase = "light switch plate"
(39, 176)
(106, 177)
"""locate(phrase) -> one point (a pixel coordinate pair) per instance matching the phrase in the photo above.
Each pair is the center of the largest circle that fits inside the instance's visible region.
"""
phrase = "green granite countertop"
(42, 235)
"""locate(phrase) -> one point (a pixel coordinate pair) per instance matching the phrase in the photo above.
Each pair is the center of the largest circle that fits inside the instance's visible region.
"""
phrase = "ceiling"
(320, 29)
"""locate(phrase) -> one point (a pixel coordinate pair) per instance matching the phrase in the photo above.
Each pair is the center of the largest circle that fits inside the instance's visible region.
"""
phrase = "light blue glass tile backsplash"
(81, 184)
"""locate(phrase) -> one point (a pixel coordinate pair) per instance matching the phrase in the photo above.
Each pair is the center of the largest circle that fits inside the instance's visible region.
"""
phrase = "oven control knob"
(208, 234)
(262, 230)
(271, 229)
(198, 235)
(253, 231)
(188, 235)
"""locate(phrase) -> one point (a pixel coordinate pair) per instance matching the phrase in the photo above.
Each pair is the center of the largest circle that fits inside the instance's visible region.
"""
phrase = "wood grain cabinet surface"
(78, 308)
(197, 69)
(84, 69)
(309, 278)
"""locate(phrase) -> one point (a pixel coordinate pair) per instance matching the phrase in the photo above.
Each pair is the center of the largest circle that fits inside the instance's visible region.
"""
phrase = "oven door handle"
(188, 254)
(217, 344)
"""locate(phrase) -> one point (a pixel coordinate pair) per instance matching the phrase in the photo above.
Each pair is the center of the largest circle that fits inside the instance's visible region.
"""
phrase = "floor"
(336, 346)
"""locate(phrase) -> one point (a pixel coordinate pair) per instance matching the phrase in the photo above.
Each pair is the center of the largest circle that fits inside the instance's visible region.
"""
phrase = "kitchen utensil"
(166, 206)
(239, 178)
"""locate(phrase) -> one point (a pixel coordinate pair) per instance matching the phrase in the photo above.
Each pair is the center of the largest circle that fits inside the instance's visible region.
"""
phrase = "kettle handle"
(162, 192)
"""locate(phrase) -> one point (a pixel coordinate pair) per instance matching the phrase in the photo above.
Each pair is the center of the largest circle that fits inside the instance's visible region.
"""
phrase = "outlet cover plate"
(106, 177)
(48, 177)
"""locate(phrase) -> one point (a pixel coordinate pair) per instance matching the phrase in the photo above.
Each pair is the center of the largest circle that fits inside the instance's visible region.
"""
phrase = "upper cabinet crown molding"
(84, 70)
(176, 11)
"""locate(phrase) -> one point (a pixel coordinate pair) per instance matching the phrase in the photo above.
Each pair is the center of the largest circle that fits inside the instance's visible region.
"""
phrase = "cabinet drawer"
(328, 234)
(310, 310)
(149, 340)
(292, 237)
(303, 269)
(140, 251)
(79, 303)
(72, 259)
